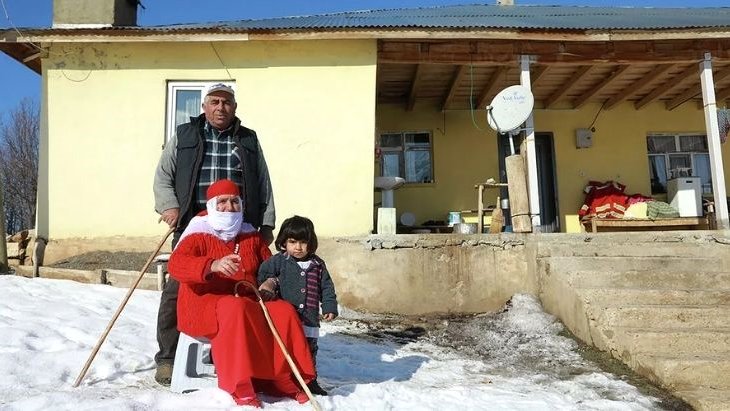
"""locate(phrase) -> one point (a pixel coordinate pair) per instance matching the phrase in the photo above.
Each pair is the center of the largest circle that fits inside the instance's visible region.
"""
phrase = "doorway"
(546, 178)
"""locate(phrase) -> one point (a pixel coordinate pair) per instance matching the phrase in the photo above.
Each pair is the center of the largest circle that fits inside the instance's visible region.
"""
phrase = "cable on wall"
(471, 97)
(221, 60)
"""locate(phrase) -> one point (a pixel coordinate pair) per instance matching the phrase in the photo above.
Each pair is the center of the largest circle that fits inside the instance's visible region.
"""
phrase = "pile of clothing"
(608, 200)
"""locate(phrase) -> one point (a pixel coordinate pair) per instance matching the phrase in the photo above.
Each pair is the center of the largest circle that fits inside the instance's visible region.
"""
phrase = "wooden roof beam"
(637, 85)
(563, 90)
(667, 86)
(499, 51)
(722, 95)
(491, 88)
(414, 87)
(539, 73)
(692, 92)
(455, 80)
(578, 102)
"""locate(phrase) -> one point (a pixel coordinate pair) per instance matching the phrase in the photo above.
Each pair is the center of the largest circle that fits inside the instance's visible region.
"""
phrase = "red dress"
(244, 349)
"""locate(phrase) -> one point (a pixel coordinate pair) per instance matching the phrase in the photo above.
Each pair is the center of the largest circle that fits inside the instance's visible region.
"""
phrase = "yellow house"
(620, 94)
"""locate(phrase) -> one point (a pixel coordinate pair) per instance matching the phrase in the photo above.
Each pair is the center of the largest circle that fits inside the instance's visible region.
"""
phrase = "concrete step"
(641, 263)
(657, 280)
(688, 372)
(666, 316)
(706, 399)
(610, 297)
(672, 341)
(640, 237)
(626, 249)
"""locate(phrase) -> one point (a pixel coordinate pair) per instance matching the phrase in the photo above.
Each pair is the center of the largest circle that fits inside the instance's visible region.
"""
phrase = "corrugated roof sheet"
(490, 17)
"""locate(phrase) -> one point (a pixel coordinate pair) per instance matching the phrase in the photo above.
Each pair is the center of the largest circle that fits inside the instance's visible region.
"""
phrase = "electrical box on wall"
(583, 138)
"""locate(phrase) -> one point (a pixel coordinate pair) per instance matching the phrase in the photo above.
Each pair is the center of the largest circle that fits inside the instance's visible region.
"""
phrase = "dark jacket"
(177, 173)
(293, 286)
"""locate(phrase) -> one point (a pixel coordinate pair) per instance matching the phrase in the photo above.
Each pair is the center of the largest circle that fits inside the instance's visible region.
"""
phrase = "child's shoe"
(250, 401)
(315, 388)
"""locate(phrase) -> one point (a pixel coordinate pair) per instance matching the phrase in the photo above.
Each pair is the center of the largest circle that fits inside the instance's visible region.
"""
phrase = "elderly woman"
(216, 251)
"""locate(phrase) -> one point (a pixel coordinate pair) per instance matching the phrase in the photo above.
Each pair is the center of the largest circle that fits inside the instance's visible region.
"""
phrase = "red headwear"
(222, 187)
(225, 225)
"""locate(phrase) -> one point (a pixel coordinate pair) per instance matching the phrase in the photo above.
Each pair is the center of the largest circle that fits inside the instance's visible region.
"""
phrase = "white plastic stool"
(193, 368)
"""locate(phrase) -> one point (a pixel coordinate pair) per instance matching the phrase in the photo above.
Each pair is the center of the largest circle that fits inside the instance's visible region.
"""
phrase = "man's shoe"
(315, 388)
(163, 375)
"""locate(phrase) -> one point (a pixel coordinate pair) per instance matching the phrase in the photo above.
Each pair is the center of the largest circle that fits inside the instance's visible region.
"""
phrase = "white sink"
(389, 183)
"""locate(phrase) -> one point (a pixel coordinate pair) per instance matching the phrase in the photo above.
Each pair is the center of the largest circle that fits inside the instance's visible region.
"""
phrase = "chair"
(193, 369)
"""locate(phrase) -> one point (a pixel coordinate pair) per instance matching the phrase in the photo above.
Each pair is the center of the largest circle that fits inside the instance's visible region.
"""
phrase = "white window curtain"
(188, 105)
(702, 170)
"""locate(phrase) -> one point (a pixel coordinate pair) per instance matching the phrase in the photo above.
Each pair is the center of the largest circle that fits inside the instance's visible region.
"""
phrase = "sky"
(513, 360)
(18, 82)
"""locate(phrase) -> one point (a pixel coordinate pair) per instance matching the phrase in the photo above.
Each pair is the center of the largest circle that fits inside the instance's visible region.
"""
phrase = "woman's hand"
(329, 317)
(227, 266)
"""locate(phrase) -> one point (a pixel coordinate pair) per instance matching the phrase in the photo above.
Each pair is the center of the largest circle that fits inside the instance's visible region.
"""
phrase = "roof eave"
(21, 45)
(139, 34)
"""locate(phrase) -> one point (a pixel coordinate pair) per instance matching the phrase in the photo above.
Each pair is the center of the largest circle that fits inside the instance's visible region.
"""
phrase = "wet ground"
(514, 351)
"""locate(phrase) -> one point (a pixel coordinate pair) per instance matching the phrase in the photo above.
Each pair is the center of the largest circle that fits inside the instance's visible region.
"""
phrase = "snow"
(514, 360)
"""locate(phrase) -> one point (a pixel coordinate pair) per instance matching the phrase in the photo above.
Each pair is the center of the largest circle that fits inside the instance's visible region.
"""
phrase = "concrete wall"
(421, 274)
(407, 274)
(311, 102)
(465, 153)
(414, 274)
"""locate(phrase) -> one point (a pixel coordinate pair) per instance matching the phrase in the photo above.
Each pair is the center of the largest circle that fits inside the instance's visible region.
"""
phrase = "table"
(480, 202)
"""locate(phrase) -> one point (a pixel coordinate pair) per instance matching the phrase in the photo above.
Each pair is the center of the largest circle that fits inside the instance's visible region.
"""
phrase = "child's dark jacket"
(293, 286)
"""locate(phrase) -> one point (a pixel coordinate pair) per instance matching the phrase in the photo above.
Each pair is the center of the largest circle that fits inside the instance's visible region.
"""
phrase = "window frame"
(677, 152)
(401, 151)
(173, 86)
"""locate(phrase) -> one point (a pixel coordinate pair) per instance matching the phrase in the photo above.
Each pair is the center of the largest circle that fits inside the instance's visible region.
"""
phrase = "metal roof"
(489, 17)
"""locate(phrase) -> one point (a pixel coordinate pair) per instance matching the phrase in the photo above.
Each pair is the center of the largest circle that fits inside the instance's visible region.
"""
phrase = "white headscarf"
(225, 225)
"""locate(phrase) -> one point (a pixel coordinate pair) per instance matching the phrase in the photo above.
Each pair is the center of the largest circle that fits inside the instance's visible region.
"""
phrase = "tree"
(19, 139)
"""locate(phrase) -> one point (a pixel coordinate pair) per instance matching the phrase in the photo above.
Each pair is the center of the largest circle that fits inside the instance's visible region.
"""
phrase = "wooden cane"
(293, 366)
(119, 310)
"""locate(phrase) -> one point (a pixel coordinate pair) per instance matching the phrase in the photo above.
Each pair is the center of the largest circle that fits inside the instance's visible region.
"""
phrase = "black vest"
(190, 151)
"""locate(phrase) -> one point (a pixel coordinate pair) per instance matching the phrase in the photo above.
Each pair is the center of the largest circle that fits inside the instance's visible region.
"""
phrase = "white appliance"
(685, 194)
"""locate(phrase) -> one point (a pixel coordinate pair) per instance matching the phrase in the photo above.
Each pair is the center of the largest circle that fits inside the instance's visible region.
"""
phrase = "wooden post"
(3, 243)
(160, 278)
(517, 188)
(480, 208)
(713, 142)
(530, 151)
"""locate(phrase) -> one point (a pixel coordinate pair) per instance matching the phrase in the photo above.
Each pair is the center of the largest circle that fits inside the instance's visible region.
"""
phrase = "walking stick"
(293, 366)
(119, 310)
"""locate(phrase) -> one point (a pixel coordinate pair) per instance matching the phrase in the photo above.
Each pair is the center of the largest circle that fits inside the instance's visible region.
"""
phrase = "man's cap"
(223, 186)
(220, 87)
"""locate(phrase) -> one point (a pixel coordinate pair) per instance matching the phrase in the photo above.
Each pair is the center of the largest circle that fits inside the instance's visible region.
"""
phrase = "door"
(546, 178)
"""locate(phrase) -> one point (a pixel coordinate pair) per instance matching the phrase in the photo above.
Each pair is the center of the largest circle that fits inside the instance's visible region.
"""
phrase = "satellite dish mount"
(509, 109)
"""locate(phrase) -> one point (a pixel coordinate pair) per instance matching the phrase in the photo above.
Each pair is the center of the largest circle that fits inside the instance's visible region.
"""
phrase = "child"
(302, 279)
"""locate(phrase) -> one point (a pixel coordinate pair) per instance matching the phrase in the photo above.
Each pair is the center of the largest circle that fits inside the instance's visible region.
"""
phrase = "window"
(184, 100)
(678, 155)
(407, 155)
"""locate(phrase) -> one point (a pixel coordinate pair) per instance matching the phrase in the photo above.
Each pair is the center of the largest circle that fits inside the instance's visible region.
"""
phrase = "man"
(210, 147)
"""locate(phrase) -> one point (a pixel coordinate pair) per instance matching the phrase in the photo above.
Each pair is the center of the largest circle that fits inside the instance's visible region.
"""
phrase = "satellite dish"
(510, 108)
